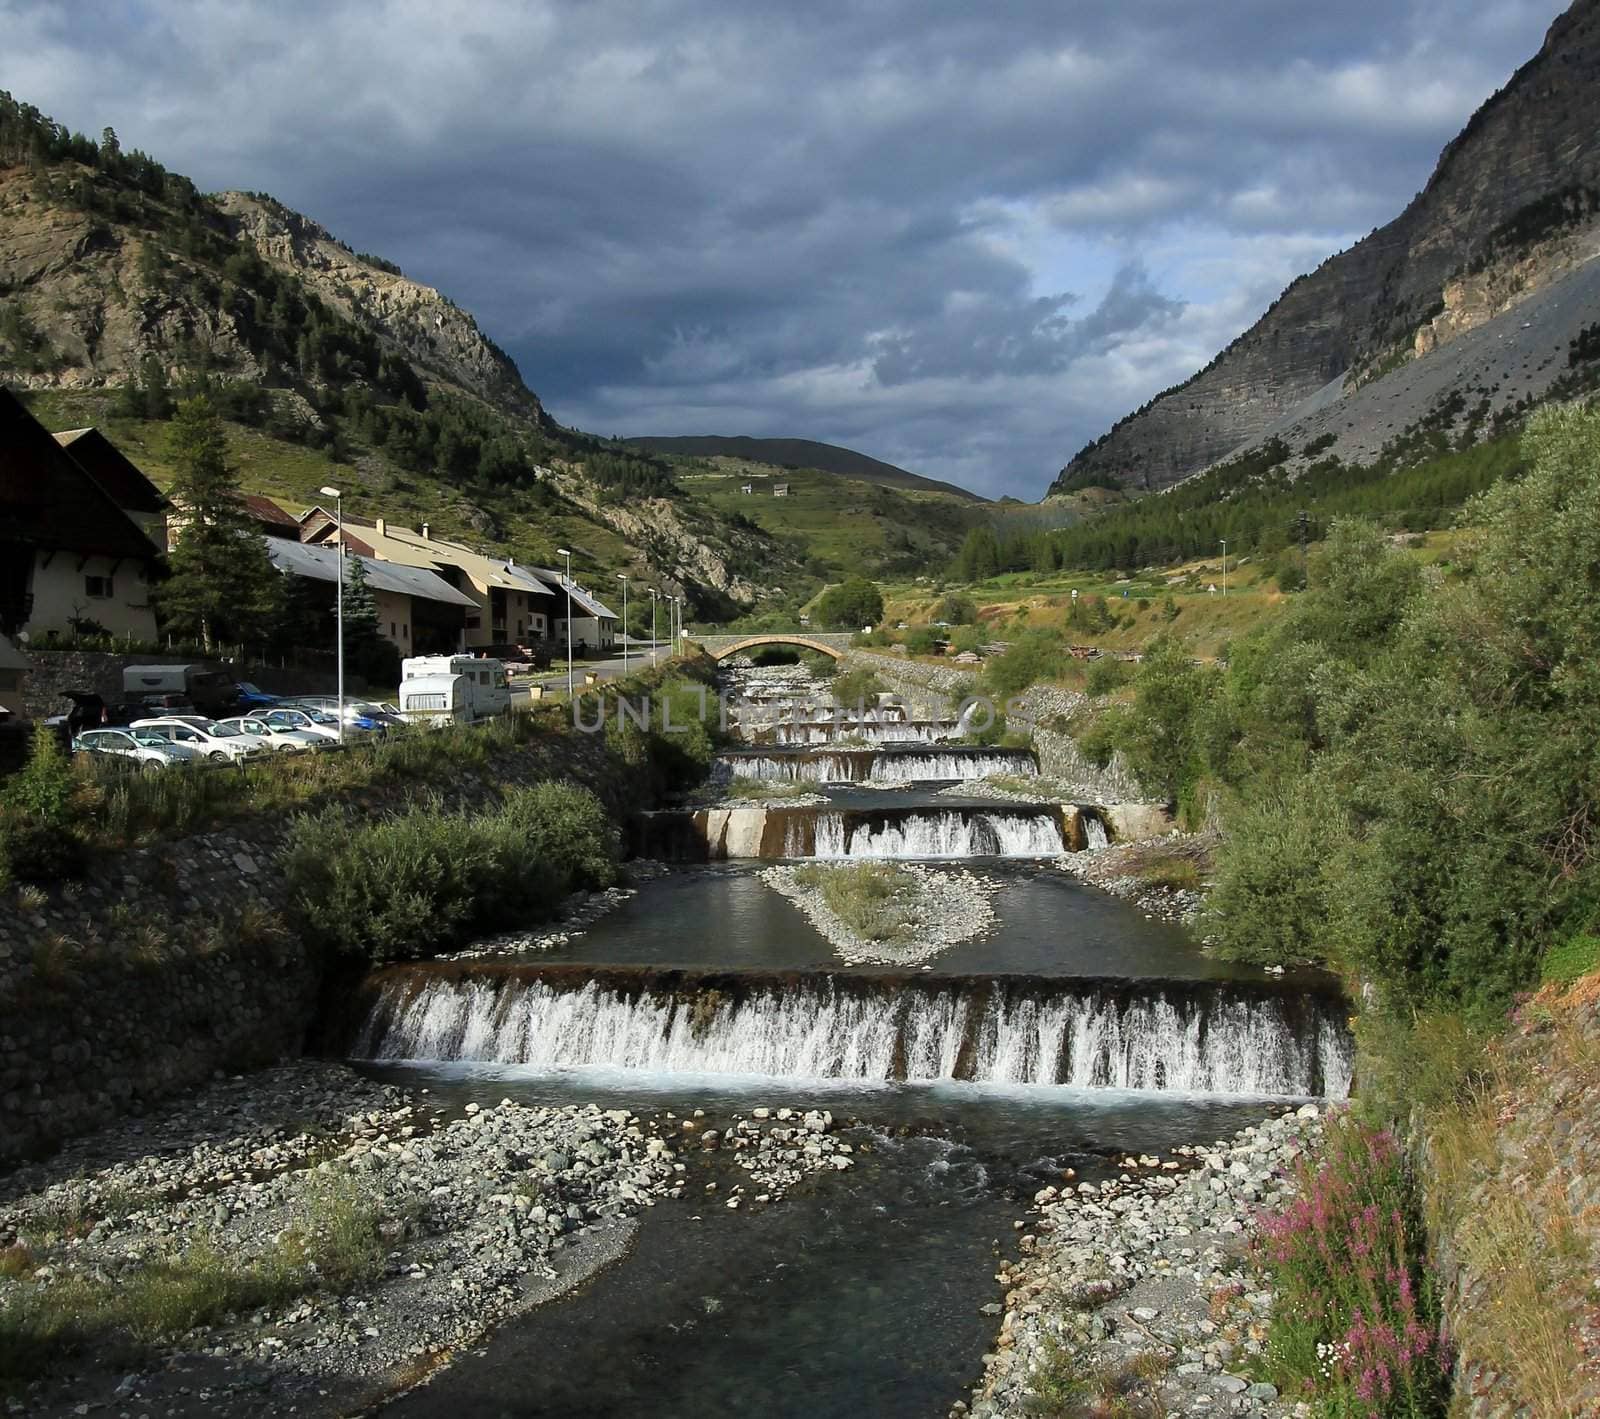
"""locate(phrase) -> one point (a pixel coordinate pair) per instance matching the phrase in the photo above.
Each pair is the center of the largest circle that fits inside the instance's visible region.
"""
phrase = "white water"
(1094, 833)
(908, 768)
(1209, 1044)
(950, 832)
(867, 733)
(884, 768)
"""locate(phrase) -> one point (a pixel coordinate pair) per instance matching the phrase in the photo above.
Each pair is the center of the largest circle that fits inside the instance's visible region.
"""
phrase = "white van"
(452, 689)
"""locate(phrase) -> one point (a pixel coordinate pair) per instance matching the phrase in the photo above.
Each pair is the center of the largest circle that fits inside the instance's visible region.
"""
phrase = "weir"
(901, 765)
(1193, 1037)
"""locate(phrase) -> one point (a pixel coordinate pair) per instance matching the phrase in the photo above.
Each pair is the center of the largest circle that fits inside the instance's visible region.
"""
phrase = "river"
(1069, 1032)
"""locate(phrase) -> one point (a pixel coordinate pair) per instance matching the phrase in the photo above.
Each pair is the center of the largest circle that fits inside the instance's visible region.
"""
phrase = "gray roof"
(321, 563)
(586, 601)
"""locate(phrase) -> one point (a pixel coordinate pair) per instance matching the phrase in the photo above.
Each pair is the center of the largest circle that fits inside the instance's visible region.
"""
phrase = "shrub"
(421, 881)
(1356, 1321)
(43, 789)
(858, 687)
(957, 608)
(852, 605)
(1107, 675)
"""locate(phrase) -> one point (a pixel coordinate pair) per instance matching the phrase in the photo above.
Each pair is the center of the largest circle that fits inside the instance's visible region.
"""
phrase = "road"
(554, 680)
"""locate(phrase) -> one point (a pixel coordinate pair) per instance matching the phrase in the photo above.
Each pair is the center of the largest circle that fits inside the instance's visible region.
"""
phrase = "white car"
(309, 721)
(149, 750)
(222, 742)
(271, 736)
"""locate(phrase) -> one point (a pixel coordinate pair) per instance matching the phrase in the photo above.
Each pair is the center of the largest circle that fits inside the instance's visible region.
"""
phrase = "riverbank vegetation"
(871, 898)
(1403, 761)
(419, 881)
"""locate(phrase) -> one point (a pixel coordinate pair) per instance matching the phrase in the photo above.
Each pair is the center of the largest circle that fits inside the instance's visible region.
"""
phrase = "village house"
(120, 479)
(420, 612)
(594, 624)
(70, 556)
(512, 605)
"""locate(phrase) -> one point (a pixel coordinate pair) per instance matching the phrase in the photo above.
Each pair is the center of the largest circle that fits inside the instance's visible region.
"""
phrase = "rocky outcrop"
(1532, 141)
(434, 333)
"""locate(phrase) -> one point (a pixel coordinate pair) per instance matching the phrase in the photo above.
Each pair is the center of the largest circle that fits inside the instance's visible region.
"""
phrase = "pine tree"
(222, 586)
(366, 651)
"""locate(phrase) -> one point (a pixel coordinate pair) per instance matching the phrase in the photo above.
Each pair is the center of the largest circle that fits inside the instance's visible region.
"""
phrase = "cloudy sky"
(962, 237)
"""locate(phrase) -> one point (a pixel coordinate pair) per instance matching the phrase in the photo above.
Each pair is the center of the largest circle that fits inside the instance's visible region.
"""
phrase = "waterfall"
(907, 768)
(950, 832)
(869, 732)
(1212, 1039)
(877, 766)
(1095, 836)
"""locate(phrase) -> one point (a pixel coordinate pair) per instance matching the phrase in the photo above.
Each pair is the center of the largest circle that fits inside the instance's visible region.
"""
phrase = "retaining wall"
(53, 673)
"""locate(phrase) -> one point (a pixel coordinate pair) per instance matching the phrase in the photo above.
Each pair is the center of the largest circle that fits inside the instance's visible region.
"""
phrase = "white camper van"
(452, 689)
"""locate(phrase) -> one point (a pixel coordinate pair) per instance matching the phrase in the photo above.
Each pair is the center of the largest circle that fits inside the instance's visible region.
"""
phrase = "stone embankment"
(53, 672)
(169, 961)
(462, 1216)
(1140, 1285)
(937, 908)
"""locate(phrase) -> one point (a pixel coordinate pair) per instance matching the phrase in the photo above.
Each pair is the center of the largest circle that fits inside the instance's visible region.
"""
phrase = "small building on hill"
(780, 490)
(70, 557)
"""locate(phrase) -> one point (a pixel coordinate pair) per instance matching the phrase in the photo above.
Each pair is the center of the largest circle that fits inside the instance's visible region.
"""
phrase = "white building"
(70, 557)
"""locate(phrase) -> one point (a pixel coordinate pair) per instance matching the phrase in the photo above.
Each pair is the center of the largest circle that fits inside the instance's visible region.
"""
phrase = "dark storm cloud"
(965, 238)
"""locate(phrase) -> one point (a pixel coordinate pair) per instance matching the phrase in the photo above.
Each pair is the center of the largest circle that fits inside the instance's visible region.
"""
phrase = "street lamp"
(1224, 542)
(655, 596)
(567, 578)
(338, 512)
(623, 578)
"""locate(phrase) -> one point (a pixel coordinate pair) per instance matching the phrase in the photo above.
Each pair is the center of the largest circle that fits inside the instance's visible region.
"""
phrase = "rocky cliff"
(1524, 170)
(437, 336)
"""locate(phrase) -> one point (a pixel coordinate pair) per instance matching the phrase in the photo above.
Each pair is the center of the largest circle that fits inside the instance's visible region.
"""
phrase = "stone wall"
(55, 672)
(170, 961)
(1037, 711)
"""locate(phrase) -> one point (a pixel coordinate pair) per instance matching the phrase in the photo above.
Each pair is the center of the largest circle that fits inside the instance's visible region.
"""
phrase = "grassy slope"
(373, 487)
(844, 523)
(1019, 601)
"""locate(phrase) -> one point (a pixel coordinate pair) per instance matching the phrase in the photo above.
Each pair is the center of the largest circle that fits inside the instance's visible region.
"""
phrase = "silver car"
(148, 750)
(272, 736)
(224, 743)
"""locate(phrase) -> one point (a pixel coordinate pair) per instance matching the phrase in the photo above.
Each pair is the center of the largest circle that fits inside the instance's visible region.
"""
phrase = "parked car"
(250, 697)
(88, 711)
(272, 736)
(148, 750)
(385, 716)
(218, 741)
(310, 721)
(329, 705)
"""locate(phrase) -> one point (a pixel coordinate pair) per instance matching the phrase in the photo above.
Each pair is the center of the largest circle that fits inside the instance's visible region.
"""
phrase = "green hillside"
(793, 454)
(838, 525)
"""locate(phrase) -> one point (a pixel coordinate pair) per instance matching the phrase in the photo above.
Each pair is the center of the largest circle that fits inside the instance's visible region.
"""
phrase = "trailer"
(453, 689)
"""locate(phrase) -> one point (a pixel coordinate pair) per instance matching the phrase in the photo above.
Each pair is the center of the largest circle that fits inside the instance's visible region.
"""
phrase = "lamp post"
(623, 578)
(654, 597)
(338, 512)
(567, 578)
(1224, 542)
(677, 622)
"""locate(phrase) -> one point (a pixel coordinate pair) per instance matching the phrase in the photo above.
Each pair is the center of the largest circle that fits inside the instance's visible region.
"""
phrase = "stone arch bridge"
(721, 647)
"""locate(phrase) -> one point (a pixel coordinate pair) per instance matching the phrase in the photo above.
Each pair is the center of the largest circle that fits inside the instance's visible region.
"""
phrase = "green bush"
(851, 606)
(858, 687)
(1107, 675)
(957, 608)
(421, 881)
(1035, 656)
(43, 789)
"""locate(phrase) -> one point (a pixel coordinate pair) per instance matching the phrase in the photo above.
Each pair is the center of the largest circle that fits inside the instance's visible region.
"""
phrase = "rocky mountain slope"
(122, 287)
(1513, 206)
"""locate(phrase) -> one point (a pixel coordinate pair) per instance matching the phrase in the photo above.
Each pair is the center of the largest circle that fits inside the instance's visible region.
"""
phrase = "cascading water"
(1095, 835)
(1212, 1041)
(910, 732)
(878, 766)
(951, 832)
(908, 768)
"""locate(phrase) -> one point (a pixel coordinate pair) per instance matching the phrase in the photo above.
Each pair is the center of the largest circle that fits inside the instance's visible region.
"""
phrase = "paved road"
(555, 678)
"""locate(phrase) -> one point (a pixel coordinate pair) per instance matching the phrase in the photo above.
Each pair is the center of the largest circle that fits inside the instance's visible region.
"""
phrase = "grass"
(871, 898)
(1495, 1200)
(1071, 1384)
(1013, 783)
(334, 1244)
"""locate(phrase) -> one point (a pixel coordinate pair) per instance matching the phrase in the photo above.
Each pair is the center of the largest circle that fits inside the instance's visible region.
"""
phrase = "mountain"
(123, 287)
(1512, 210)
(800, 453)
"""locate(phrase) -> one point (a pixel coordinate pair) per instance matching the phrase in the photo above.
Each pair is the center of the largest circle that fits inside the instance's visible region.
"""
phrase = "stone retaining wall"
(100, 671)
(169, 962)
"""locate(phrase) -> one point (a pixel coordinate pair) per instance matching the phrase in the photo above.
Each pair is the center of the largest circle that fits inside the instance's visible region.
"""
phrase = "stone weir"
(893, 832)
(902, 763)
(1203, 1037)
(845, 732)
